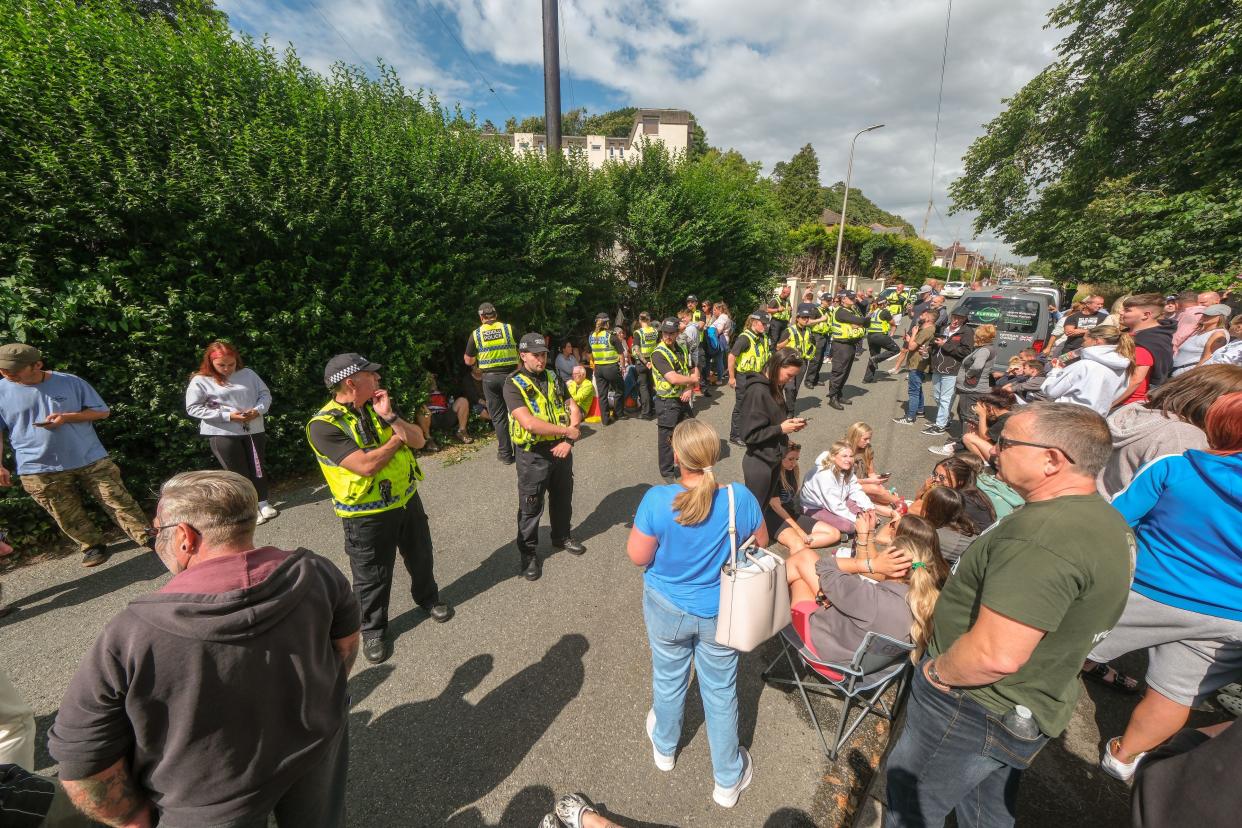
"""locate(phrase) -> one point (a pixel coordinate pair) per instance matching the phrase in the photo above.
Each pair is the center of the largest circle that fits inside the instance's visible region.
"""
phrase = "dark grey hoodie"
(220, 689)
(1140, 435)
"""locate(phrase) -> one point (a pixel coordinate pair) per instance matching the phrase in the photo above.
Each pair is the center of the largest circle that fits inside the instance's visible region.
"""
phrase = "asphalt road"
(533, 689)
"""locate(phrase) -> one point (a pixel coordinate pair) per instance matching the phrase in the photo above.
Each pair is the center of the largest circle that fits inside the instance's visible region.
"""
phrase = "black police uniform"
(670, 410)
(843, 353)
(880, 345)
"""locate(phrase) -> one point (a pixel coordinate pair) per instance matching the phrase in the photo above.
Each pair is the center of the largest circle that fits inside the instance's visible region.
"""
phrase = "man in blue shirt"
(47, 418)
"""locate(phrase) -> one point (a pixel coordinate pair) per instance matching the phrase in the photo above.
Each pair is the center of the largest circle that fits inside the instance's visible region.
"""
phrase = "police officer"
(493, 348)
(606, 350)
(748, 359)
(543, 421)
(798, 337)
(674, 384)
(880, 342)
(780, 310)
(848, 330)
(364, 451)
(696, 313)
(821, 336)
(646, 337)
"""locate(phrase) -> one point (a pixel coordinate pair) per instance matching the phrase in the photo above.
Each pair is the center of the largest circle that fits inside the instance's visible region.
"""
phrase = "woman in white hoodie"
(832, 494)
(1097, 376)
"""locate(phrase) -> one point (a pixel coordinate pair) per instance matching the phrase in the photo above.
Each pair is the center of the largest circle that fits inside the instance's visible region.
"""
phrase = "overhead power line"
(944, 59)
(573, 104)
(479, 71)
(362, 62)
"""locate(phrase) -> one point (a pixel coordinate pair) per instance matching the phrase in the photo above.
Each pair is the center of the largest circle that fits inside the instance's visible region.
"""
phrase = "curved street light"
(836, 265)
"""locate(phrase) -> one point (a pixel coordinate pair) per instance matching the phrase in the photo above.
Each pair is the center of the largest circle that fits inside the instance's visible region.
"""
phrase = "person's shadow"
(422, 762)
(145, 566)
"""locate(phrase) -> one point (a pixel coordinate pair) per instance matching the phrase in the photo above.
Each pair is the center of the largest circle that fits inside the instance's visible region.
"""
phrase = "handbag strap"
(732, 528)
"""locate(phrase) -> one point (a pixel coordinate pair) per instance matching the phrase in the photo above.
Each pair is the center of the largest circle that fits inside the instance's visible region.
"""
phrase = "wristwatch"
(935, 676)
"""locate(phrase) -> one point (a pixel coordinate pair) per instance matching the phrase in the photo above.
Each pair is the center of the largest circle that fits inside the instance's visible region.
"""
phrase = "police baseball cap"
(342, 366)
(692, 298)
(807, 311)
(487, 309)
(16, 356)
(848, 294)
(533, 343)
(601, 315)
(762, 316)
(670, 325)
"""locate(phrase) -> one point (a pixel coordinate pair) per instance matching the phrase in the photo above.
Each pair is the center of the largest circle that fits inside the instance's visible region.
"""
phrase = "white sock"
(262, 505)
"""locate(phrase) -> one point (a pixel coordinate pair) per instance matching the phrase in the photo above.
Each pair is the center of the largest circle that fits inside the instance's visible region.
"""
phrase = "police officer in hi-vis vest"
(799, 338)
(606, 352)
(880, 342)
(848, 330)
(780, 310)
(821, 327)
(748, 359)
(364, 449)
(674, 386)
(493, 348)
(692, 308)
(646, 338)
(543, 421)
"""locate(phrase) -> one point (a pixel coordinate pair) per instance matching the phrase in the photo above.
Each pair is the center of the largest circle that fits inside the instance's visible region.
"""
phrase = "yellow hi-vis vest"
(352, 494)
(876, 324)
(496, 347)
(845, 331)
(583, 393)
(696, 315)
(800, 340)
(755, 359)
(897, 303)
(601, 348)
(823, 327)
(680, 362)
(646, 339)
(550, 408)
(785, 308)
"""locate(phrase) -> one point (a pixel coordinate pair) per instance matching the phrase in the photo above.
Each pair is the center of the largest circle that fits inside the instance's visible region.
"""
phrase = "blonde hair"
(697, 446)
(917, 537)
(1016, 362)
(985, 334)
(853, 435)
(221, 505)
(1112, 335)
(827, 464)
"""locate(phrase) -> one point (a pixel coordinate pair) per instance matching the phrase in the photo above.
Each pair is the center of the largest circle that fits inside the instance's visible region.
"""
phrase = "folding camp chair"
(878, 663)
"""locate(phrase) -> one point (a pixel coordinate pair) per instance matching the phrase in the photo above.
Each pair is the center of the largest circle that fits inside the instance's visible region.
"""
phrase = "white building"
(670, 127)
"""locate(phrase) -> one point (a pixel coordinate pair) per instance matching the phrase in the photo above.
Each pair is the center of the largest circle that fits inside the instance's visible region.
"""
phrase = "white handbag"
(754, 593)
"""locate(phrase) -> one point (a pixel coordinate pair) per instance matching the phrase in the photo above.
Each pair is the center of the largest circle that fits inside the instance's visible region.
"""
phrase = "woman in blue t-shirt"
(681, 536)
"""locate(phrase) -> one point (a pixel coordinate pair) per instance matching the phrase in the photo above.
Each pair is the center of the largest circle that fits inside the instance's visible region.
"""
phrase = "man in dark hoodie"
(220, 698)
(1140, 316)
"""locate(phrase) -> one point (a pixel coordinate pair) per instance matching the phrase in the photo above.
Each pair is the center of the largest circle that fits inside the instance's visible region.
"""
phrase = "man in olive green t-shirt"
(1025, 604)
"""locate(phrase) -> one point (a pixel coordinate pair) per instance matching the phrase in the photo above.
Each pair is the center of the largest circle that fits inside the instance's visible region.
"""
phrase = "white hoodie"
(1095, 379)
(823, 489)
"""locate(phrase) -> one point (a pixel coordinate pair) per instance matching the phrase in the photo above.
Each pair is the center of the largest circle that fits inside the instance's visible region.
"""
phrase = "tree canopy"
(797, 187)
(1120, 162)
(862, 210)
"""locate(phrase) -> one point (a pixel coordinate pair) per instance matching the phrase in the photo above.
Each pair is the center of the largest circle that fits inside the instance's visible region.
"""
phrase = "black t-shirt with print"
(1084, 322)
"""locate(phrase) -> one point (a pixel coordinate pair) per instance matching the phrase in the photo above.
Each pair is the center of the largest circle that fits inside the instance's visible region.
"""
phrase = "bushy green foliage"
(862, 210)
(165, 186)
(873, 255)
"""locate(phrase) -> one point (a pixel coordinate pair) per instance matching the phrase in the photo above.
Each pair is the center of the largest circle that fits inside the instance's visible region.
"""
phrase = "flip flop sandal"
(1119, 681)
(1231, 703)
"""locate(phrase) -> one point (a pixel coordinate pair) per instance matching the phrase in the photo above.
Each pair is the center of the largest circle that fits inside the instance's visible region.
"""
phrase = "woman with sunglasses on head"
(229, 401)
(958, 474)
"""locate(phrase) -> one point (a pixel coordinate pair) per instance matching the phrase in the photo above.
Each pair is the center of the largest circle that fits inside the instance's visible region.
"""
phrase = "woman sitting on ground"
(991, 412)
(945, 509)
(958, 474)
(887, 504)
(844, 607)
(1004, 499)
(832, 494)
(786, 521)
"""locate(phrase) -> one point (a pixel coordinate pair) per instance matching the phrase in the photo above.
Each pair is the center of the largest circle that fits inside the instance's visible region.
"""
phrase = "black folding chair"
(879, 662)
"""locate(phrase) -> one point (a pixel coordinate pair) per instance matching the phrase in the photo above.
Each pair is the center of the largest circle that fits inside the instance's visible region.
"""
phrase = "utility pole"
(552, 80)
(845, 200)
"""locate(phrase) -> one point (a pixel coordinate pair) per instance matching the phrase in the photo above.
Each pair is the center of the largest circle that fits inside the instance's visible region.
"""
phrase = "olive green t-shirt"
(1063, 566)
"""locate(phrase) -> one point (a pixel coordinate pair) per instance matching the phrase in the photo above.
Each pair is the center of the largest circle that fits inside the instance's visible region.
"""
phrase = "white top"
(1191, 350)
(823, 489)
(1095, 379)
(211, 403)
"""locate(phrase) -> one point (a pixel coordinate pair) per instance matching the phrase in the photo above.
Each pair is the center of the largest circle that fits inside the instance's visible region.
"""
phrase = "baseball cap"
(692, 298)
(601, 315)
(1211, 310)
(487, 308)
(925, 289)
(960, 310)
(534, 343)
(807, 311)
(342, 366)
(16, 355)
(762, 316)
(848, 294)
(670, 325)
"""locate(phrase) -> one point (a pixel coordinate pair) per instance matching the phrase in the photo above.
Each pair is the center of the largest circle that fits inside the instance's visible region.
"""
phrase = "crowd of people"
(1088, 508)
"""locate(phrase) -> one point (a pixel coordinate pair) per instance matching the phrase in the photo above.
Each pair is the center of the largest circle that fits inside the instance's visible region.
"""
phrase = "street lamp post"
(849, 172)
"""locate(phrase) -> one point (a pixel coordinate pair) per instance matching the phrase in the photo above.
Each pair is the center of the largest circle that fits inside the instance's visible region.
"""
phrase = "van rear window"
(1014, 315)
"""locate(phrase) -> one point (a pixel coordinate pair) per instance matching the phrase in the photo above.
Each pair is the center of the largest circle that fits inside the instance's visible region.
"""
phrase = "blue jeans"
(942, 392)
(675, 637)
(914, 388)
(953, 754)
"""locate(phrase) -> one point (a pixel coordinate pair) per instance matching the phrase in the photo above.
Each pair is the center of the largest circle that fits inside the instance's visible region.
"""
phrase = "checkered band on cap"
(347, 371)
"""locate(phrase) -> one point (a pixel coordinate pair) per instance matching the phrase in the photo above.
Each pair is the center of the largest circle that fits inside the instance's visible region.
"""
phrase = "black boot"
(531, 568)
(835, 402)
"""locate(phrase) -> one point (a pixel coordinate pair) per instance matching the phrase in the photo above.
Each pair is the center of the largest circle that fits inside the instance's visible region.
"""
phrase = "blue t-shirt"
(686, 566)
(39, 450)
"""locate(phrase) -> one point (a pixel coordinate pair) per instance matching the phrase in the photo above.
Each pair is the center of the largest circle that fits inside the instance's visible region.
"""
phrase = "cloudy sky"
(764, 78)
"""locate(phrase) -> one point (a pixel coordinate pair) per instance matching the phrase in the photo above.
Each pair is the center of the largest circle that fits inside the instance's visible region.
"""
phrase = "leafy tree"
(1120, 162)
(797, 187)
(862, 210)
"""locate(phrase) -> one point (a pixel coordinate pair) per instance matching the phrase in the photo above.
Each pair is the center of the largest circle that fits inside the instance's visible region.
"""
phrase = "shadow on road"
(422, 762)
(97, 582)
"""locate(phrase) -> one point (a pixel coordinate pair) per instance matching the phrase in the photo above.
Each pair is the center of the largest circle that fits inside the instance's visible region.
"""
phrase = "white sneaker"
(268, 512)
(947, 450)
(662, 761)
(1116, 768)
(727, 797)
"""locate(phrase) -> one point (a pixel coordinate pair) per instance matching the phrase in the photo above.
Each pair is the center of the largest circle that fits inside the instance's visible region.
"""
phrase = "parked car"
(1020, 316)
(953, 290)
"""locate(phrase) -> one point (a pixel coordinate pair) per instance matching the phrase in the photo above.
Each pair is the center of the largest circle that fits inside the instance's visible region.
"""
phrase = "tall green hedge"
(165, 187)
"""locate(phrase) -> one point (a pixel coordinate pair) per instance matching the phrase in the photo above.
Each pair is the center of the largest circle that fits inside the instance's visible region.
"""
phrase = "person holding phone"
(229, 401)
(48, 418)
(765, 428)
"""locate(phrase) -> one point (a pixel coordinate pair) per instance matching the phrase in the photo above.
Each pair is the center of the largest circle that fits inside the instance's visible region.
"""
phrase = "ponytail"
(697, 448)
(928, 572)
(1120, 340)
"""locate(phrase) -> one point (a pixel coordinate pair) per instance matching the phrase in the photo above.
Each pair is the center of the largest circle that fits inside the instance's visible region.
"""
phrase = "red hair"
(1224, 424)
(215, 349)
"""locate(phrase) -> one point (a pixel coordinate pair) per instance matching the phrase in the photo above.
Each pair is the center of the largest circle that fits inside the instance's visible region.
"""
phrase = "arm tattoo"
(109, 796)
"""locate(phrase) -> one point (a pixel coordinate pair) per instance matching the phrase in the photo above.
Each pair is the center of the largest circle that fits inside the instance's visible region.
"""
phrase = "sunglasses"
(1005, 442)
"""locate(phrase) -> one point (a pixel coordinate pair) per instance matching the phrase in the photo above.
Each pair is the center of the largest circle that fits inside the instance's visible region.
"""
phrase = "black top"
(947, 358)
(761, 424)
(332, 441)
(1182, 782)
(741, 344)
(1159, 342)
(849, 317)
(1085, 321)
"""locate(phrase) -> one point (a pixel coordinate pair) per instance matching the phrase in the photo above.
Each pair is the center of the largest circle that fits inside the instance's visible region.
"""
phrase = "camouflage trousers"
(60, 494)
